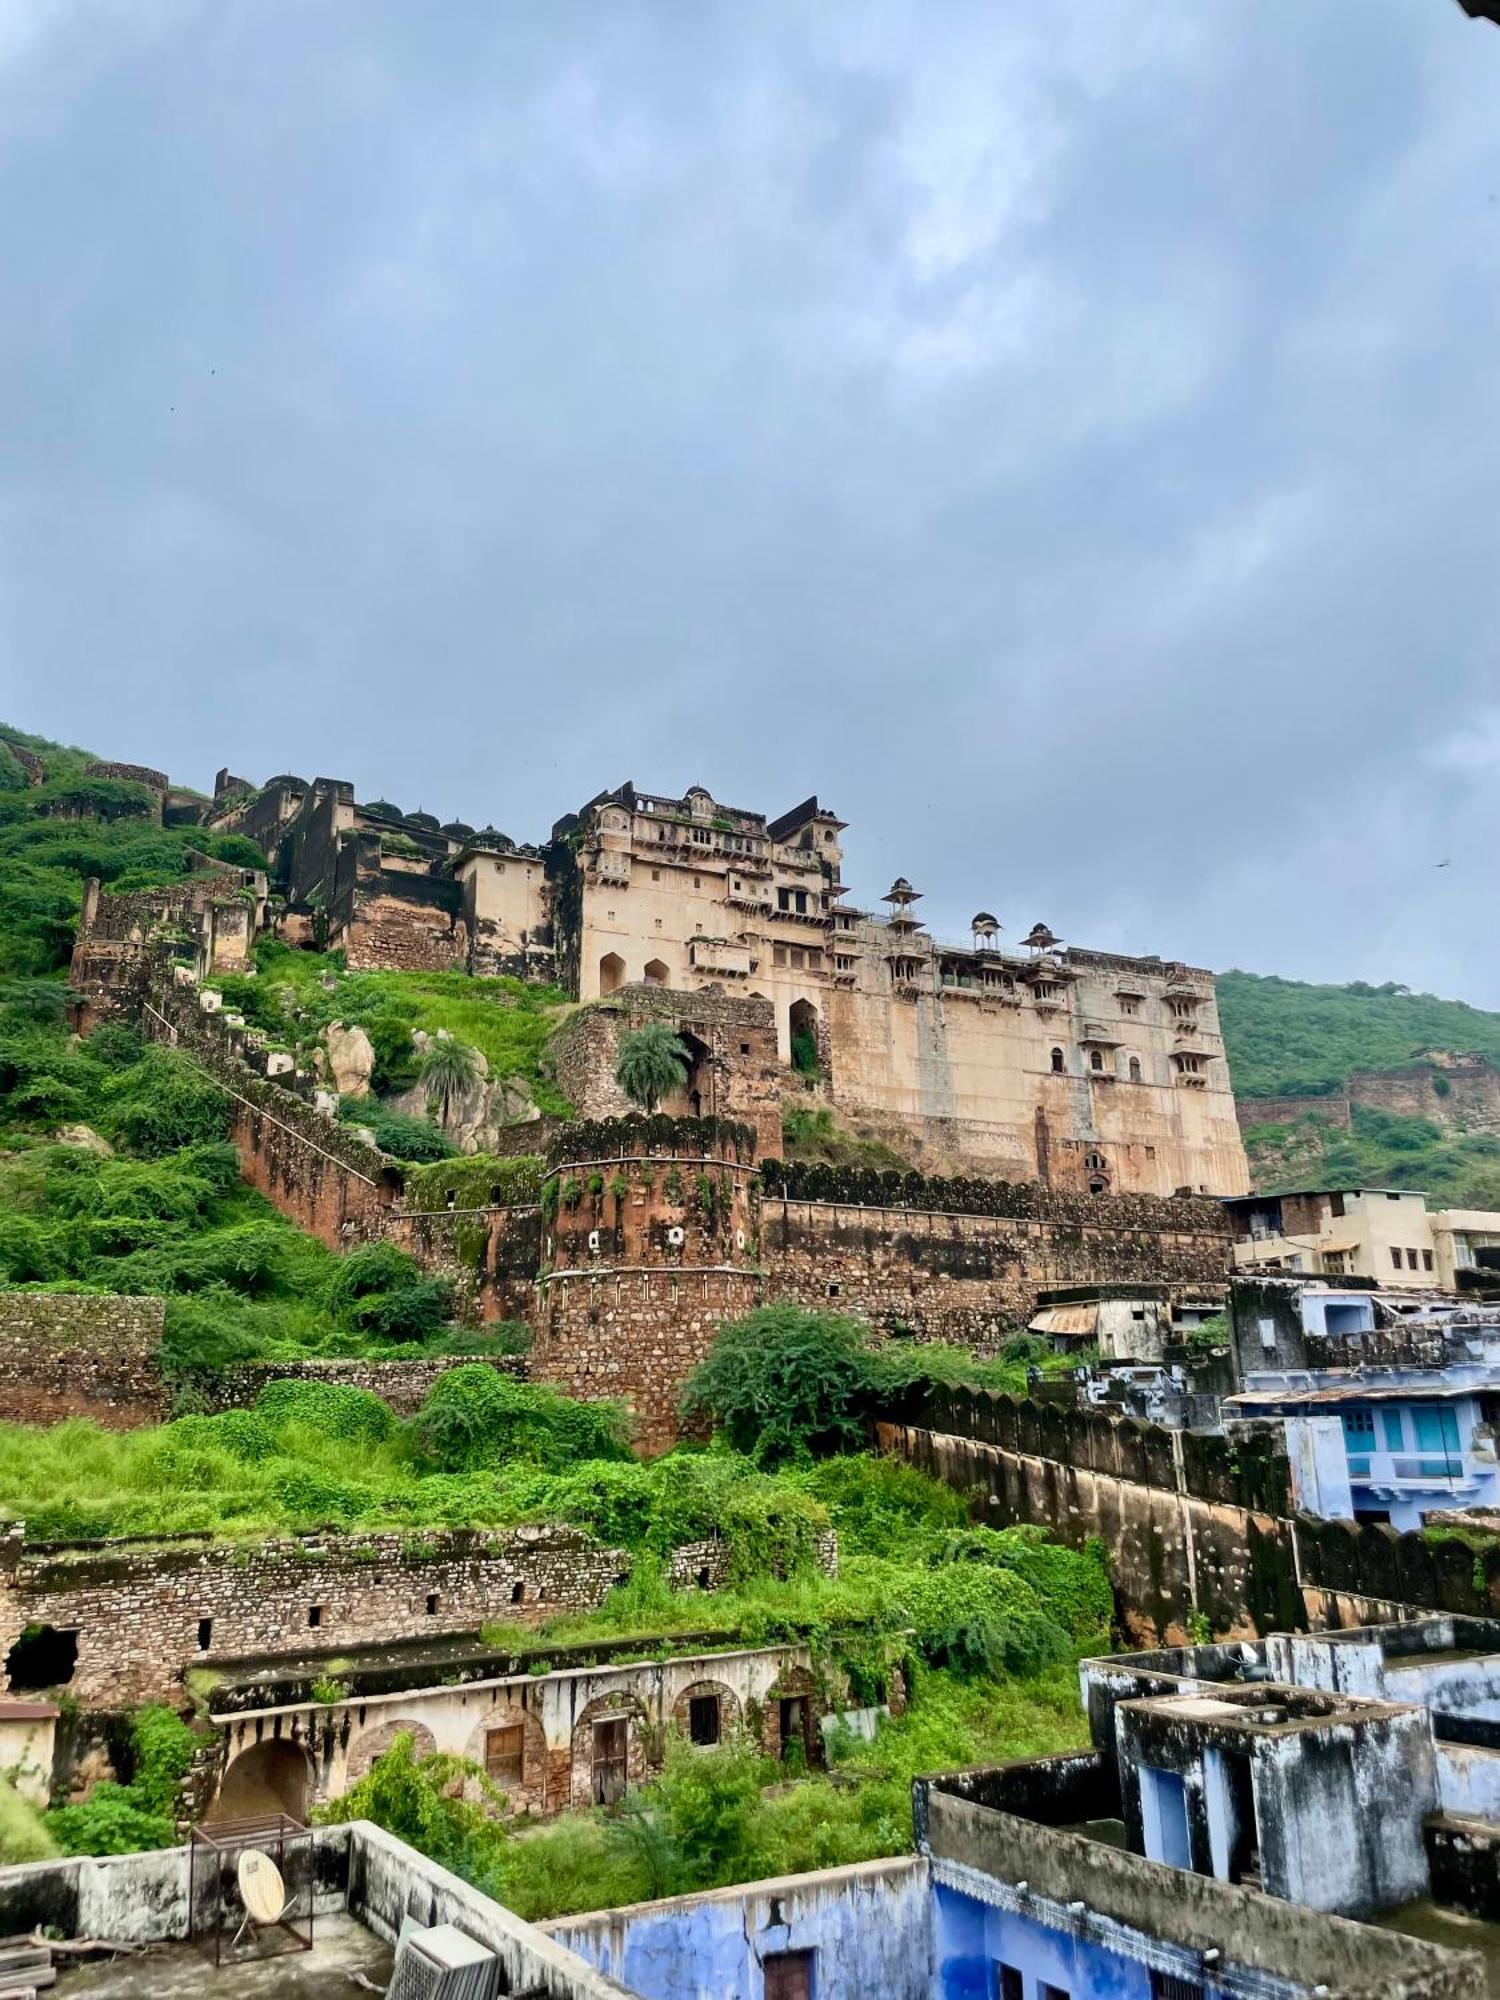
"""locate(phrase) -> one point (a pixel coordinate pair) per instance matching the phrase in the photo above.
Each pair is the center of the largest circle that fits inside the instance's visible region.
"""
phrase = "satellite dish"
(261, 1888)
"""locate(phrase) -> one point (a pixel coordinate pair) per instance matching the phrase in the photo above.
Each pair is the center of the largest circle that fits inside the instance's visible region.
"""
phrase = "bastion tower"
(650, 1243)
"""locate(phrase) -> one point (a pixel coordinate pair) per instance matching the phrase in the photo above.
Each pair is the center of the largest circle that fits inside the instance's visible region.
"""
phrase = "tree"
(447, 1068)
(786, 1384)
(653, 1063)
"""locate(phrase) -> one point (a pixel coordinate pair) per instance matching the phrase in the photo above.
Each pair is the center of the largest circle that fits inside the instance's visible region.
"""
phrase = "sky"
(1063, 437)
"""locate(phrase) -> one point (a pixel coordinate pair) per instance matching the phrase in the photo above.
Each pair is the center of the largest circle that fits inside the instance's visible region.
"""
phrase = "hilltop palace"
(1081, 1069)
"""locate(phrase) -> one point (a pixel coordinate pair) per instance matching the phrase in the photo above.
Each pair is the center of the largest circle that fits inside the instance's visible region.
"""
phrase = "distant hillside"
(1384, 1103)
(1286, 1039)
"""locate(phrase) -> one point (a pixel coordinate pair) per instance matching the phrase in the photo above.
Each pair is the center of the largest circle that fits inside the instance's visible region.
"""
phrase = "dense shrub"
(782, 1384)
(474, 1417)
(119, 1819)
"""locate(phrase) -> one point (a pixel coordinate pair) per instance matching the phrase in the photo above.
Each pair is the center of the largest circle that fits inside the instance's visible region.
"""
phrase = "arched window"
(1135, 1069)
(1059, 1063)
(1096, 1163)
(1096, 1059)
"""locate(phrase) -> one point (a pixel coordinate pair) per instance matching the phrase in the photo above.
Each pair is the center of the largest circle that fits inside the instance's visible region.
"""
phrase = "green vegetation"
(446, 1070)
(810, 1132)
(119, 1819)
(985, 1624)
(294, 995)
(1287, 1039)
(1455, 1169)
(652, 1064)
(47, 849)
(174, 1218)
(23, 1830)
(723, 1816)
(784, 1385)
(309, 1455)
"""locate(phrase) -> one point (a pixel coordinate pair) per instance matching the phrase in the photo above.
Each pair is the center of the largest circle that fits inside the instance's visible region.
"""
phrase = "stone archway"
(611, 972)
(706, 1712)
(805, 1047)
(272, 1776)
(791, 1718)
(657, 972)
(374, 1743)
(609, 1749)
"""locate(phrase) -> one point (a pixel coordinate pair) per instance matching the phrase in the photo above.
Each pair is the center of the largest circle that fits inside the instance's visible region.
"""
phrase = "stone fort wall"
(1196, 1527)
(81, 1355)
(974, 1279)
(143, 1612)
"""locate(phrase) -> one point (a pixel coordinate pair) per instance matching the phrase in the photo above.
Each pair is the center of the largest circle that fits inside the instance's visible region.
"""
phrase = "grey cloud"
(1062, 437)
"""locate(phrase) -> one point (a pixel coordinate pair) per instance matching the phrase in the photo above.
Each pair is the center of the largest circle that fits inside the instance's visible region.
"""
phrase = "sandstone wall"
(66, 1355)
(730, 1038)
(650, 1247)
(402, 1384)
(1331, 1111)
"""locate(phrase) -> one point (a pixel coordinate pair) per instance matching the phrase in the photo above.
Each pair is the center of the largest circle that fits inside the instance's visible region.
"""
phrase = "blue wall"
(973, 1940)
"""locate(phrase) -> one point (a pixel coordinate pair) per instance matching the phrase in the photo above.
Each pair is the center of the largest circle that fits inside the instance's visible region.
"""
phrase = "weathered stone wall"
(1459, 1092)
(973, 1279)
(135, 774)
(555, 1702)
(730, 1039)
(1253, 1111)
(405, 923)
(1172, 1554)
(1193, 1524)
(145, 1611)
(79, 1355)
(312, 1168)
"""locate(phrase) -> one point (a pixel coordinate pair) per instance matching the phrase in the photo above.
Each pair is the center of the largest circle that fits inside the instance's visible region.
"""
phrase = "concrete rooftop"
(346, 1961)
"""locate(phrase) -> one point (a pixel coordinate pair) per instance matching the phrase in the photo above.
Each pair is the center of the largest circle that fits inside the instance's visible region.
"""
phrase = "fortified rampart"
(970, 1273)
(1460, 1093)
(1198, 1528)
(650, 1246)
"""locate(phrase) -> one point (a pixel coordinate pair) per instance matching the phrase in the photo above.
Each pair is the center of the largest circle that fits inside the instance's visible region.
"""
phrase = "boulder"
(348, 1059)
(85, 1138)
(474, 1117)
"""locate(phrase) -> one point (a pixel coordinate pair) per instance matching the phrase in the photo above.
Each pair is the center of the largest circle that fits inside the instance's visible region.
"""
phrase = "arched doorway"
(272, 1776)
(611, 972)
(697, 1097)
(656, 973)
(802, 1026)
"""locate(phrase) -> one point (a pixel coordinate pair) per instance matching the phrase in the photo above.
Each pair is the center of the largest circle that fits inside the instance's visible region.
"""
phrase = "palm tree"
(652, 1064)
(447, 1067)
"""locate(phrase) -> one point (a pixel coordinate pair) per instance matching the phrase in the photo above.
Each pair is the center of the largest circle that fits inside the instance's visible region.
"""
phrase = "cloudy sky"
(1064, 436)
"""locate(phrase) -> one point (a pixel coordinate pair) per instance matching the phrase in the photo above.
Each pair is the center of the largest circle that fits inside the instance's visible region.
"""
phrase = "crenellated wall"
(973, 1280)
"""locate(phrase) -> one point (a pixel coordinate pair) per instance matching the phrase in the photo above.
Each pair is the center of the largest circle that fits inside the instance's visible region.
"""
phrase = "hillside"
(1385, 1108)
(115, 1174)
(1284, 1038)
